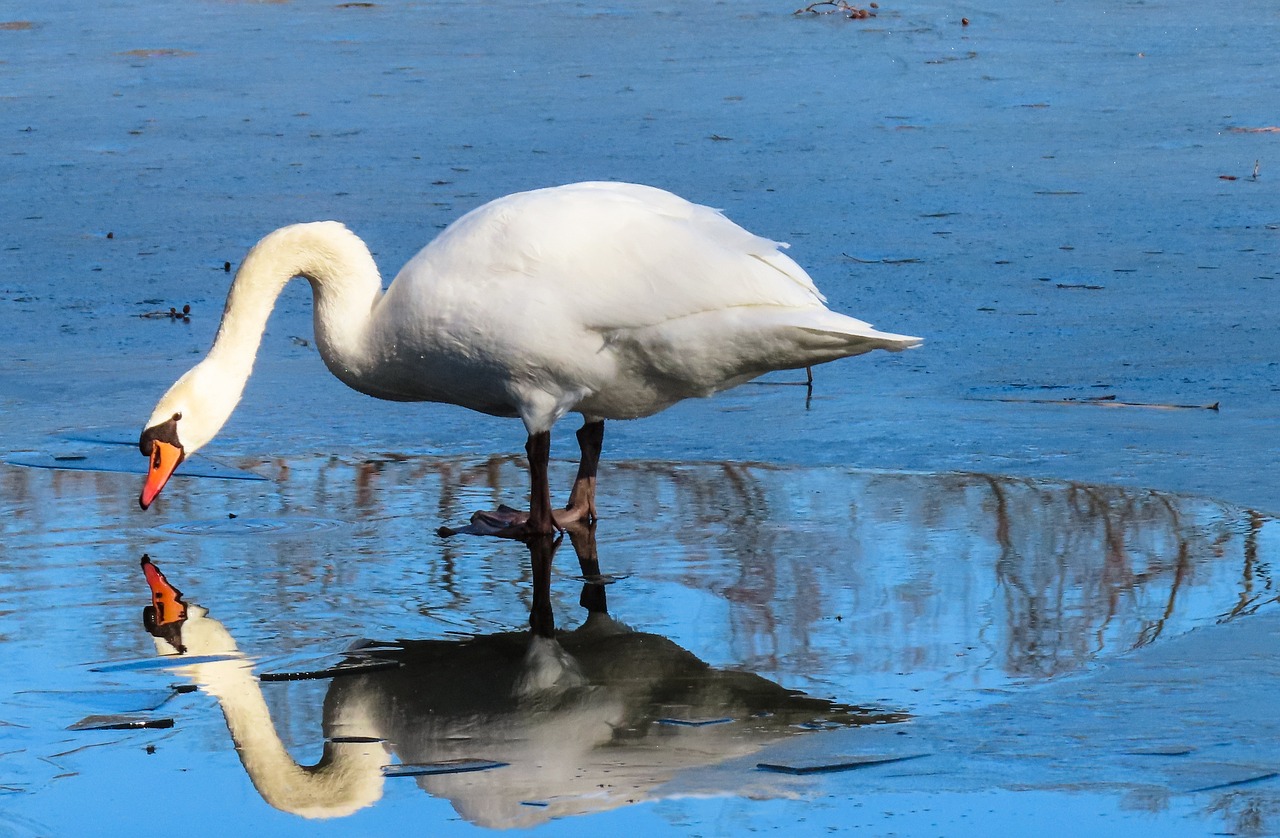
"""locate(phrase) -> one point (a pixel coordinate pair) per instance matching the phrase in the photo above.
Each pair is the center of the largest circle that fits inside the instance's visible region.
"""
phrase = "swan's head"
(179, 626)
(187, 417)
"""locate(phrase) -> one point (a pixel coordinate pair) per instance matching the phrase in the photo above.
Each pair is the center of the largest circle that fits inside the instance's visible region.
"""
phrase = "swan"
(611, 300)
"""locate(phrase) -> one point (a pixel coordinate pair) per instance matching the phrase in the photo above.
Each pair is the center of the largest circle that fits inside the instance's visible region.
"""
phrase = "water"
(1045, 195)
(905, 595)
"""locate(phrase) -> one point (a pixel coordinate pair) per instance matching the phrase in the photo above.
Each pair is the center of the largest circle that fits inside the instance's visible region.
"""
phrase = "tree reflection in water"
(917, 588)
(906, 591)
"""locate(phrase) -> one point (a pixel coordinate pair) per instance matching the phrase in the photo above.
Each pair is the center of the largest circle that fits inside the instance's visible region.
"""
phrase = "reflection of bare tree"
(817, 576)
(1080, 568)
(1254, 592)
(737, 508)
(1075, 569)
(1248, 813)
(1065, 585)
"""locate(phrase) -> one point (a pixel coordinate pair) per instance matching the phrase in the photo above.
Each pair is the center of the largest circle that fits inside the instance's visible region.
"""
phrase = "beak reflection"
(166, 614)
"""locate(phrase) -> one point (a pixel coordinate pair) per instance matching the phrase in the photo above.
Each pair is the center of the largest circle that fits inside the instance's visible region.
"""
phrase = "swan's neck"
(348, 776)
(345, 283)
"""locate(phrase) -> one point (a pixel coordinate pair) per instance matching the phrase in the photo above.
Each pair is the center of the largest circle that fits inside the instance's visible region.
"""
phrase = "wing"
(610, 256)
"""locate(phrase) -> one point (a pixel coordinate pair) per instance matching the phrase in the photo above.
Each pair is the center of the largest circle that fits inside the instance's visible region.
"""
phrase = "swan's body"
(610, 300)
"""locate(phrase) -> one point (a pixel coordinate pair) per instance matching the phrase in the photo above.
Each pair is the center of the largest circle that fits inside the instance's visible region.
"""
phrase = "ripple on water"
(233, 527)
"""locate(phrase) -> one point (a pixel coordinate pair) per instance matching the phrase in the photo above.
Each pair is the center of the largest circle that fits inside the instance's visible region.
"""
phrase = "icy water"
(1028, 553)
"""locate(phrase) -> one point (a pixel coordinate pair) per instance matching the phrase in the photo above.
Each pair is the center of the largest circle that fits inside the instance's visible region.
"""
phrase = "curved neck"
(344, 281)
(348, 776)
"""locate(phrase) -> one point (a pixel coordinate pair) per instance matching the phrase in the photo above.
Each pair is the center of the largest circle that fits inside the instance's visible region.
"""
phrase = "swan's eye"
(166, 431)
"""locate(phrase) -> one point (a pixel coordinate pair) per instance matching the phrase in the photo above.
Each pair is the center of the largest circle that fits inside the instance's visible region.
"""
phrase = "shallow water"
(904, 594)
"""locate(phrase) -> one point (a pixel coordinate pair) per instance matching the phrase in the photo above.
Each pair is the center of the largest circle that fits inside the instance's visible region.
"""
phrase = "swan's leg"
(582, 497)
(506, 522)
(540, 520)
(583, 538)
(542, 549)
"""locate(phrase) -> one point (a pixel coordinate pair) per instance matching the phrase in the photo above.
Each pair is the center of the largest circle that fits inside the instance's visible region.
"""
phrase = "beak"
(165, 457)
(164, 617)
(165, 598)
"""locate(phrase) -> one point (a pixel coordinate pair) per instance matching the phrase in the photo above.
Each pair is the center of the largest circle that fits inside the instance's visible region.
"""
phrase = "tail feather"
(832, 332)
(870, 338)
(704, 353)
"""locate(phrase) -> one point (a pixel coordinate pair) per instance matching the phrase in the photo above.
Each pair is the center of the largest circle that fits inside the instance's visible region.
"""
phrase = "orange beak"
(165, 457)
(164, 617)
(165, 598)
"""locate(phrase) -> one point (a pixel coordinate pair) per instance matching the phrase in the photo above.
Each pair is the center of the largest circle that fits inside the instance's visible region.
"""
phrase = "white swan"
(611, 300)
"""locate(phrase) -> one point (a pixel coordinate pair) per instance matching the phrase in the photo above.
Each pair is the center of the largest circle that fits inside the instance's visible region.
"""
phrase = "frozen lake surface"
(1057, 603)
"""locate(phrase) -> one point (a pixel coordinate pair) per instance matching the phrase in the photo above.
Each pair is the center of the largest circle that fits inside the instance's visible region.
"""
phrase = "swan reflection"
(566, 722)
(926, 593)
